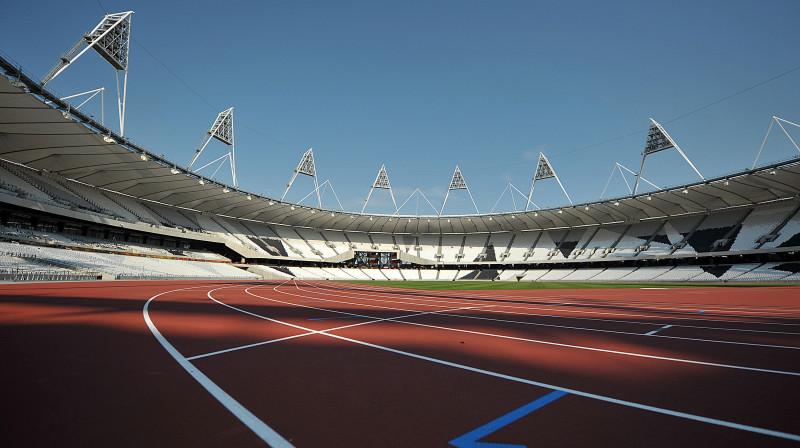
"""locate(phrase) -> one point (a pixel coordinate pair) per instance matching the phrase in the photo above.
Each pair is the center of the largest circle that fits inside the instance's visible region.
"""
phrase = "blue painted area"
(337, 317)
(701, 311)
(470, 439)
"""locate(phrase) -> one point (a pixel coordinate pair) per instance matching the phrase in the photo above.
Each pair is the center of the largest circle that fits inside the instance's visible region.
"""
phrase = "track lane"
(373, 330)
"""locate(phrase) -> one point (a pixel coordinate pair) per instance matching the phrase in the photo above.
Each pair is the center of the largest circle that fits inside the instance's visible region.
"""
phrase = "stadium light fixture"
(560, 212)
(649, 198)
(225, 190)
(773, 172)
(174, 171)
(201, 182)
(108, 139)
(271, 203)
(292, 207)
(685, 191)
(249, 198)
(586, 208)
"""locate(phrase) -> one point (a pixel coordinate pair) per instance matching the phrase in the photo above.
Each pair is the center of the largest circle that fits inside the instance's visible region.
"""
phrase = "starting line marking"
(470, 439)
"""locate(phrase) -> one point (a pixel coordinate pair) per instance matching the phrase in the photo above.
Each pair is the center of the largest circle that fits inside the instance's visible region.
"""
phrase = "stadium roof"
(40, 131)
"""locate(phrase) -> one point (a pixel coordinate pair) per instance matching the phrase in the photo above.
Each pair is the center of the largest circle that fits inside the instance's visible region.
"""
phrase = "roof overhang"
(42, 132)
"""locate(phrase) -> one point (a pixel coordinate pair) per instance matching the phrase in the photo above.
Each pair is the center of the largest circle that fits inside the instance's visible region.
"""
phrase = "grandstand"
(113, 209)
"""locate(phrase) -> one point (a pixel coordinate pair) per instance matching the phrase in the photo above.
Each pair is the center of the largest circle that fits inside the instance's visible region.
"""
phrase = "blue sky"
(425, 86)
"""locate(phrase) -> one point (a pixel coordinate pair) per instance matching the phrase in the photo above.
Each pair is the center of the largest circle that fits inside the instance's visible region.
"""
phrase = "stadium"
(82, 204)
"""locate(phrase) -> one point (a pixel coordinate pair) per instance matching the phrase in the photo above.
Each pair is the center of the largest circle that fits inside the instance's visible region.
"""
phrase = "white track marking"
(688, 308)
(562, 307)
(371, 320)
(444, 313)
(537, 341)
(258, 427)
(242, 347)
(664, 411)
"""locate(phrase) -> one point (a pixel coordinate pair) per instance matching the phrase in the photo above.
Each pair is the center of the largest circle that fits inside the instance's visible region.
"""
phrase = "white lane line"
(552, 308)
(498, 309)
(662, 328)
(261, 429)
(444, 313)
(561, 302)
(632, 404)
(242, 347)
(371, 320)
(558, 344)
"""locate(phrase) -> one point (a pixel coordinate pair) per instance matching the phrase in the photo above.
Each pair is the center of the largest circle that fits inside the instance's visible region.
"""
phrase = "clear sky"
(423, 86)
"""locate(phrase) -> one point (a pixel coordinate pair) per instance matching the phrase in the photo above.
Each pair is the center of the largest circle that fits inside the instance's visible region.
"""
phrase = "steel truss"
(111, 40)
(458, 183)
(221, 130)
(305, 167)
(776, 120)
(659, 140)
(621, 167)
(382, 182)
(544, 171)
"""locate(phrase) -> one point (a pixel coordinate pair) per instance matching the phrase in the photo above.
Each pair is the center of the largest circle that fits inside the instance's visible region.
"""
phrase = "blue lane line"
(337, 317)
(656, 331)
(470, 439)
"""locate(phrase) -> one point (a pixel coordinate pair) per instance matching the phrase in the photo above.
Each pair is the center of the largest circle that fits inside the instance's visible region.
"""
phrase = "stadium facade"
(80, 200)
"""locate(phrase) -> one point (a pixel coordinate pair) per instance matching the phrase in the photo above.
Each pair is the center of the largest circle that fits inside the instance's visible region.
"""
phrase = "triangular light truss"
(111, 40)
(659, 140)
(458, 183)
(381, 182)
(307, 168)
(544, 171)
(221, 130)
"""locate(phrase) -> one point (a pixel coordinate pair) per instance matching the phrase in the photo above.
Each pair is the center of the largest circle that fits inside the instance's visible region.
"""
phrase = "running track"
(319, 364)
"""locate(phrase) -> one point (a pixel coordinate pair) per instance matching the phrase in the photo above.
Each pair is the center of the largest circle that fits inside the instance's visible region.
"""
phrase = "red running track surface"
(320, 364)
